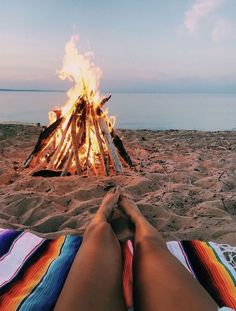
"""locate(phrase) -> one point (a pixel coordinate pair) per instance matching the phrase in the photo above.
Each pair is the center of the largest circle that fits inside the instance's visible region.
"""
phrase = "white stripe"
(14, 259)
(130, 246)
(174, 248)
(219, 253)
(12, 246)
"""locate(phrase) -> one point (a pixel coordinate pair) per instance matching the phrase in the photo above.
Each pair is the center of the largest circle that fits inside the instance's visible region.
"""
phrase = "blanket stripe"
(55, 274)
(30, 275)
(21, 249)
(211, 272)
(176, 249)
(7, 237)
(127, 273)
(33, 270)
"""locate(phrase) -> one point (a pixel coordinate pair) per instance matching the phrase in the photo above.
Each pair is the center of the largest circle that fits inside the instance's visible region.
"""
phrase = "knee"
(101, 233)
(150, 242)
(101, 228)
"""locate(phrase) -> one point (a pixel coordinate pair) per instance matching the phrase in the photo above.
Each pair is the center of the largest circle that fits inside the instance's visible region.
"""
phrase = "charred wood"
(48, 173)
(43, 139)
(120, 147)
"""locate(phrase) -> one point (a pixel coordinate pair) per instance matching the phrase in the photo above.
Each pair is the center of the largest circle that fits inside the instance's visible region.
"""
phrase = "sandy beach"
(183, 181)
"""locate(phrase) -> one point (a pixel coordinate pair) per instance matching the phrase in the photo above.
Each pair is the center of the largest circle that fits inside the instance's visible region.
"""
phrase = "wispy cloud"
(200, 9)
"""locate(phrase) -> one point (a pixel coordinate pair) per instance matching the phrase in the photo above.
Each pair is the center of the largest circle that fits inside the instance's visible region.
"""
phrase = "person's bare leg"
(94, 282)
(161, 282)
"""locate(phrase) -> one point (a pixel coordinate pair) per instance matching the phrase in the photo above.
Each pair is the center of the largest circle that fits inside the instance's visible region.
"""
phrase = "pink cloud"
(199, 10)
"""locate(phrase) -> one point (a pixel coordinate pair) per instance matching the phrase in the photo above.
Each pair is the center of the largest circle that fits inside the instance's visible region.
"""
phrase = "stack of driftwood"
(81, 142)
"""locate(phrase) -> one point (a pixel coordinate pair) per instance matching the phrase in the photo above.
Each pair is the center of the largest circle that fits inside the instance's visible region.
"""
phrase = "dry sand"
(183, 181)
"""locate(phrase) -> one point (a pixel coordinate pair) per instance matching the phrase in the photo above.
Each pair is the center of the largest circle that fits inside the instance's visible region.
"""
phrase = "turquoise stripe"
(47, 291)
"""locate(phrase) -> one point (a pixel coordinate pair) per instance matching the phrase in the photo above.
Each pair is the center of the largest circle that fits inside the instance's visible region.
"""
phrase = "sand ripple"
(183, 181)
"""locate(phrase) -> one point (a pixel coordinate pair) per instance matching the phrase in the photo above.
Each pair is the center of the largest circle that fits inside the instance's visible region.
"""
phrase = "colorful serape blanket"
(33, 270)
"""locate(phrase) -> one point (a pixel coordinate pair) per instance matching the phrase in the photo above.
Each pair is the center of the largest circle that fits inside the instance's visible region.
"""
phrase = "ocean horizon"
(154, 111)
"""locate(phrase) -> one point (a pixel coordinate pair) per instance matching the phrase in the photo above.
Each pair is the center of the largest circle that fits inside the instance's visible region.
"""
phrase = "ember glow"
(81, 137)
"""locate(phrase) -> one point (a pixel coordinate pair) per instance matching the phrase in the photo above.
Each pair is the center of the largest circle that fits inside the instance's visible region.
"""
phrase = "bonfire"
(80, 138)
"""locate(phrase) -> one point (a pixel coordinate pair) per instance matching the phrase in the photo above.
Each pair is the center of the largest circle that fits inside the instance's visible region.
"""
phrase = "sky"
(140, 45)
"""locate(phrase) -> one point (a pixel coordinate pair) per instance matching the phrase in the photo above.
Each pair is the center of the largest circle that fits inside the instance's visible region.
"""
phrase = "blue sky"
(141, 46)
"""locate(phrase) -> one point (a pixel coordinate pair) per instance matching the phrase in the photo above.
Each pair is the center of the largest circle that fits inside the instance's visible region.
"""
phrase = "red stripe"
(127, 275)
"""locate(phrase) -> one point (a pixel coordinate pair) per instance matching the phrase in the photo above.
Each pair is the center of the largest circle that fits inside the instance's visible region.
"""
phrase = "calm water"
(134, 111)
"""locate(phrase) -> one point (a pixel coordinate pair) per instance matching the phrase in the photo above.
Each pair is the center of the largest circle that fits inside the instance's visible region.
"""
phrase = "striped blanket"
(33, 270)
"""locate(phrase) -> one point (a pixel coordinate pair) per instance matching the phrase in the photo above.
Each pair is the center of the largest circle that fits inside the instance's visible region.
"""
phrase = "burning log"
(68, 162)
(116, 139)
(111, 148)
(104, 160)
(80, 138)
(78, 142)
(43, 139)
(75, 145)
(103, 102)
(60, 145)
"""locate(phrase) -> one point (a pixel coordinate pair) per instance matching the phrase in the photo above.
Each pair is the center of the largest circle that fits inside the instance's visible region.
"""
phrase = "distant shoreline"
(32, 90)
(170, 130)
(124, 91)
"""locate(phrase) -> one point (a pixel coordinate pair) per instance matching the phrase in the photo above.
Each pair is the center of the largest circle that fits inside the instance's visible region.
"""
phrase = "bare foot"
(144, 231)
(122, 226)
(108, 204)
(129, 207)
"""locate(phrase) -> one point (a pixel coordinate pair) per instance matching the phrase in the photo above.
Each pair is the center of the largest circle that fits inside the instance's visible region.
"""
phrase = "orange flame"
(80, 69)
